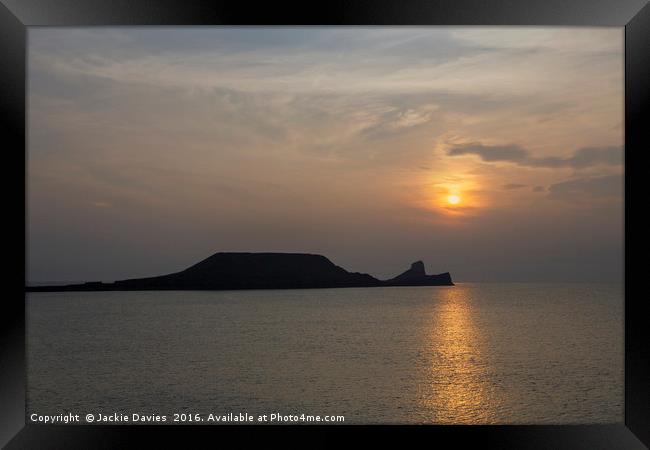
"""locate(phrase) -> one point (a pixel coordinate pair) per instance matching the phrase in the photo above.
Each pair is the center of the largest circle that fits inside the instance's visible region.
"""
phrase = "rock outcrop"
(416, 276)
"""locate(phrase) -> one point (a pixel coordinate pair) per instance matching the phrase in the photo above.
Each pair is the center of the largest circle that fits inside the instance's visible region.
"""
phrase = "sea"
(474, 353)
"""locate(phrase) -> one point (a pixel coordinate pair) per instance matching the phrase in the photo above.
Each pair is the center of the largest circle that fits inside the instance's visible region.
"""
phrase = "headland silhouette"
(236, 271)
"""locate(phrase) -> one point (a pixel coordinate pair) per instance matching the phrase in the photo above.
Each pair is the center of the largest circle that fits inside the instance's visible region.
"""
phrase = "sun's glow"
(453, 196)
(453, 199)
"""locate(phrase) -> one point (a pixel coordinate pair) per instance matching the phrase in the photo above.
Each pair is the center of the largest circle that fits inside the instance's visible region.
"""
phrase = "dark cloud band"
(582, 158)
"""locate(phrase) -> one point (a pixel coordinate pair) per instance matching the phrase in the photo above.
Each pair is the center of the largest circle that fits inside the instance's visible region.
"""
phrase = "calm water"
(473, 353)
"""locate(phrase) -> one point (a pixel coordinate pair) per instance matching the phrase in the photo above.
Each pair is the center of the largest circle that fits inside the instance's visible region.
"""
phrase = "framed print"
(279, 221)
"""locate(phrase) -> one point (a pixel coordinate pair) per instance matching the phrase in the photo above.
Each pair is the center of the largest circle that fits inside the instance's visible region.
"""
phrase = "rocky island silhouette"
(235, 271)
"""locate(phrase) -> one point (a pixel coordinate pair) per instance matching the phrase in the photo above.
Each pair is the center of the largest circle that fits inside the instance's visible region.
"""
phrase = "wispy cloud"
(511, 186)
(588, 189)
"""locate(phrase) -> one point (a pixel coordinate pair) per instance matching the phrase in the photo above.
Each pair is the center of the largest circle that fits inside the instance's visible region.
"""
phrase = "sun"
(453, 199)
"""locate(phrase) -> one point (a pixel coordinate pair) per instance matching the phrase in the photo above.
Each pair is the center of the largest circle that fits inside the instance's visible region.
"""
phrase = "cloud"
(603, 187)
(589, 156)
(510, 153)
(582, 158)
(511, 186)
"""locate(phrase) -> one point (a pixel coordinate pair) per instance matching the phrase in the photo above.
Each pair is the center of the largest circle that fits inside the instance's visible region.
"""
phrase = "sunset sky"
(493, 153)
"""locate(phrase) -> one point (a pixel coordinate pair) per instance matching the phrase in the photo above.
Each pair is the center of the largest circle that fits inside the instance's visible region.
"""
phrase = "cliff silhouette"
(231, 271)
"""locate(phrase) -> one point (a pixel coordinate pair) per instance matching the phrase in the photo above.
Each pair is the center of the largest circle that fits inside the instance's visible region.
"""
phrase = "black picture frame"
(17, 15)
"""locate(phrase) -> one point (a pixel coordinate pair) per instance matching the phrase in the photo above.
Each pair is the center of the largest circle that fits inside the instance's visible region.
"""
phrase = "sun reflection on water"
(457, 388)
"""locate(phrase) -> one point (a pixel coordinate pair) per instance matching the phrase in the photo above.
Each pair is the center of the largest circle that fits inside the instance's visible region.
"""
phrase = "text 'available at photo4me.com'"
(185, 418)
